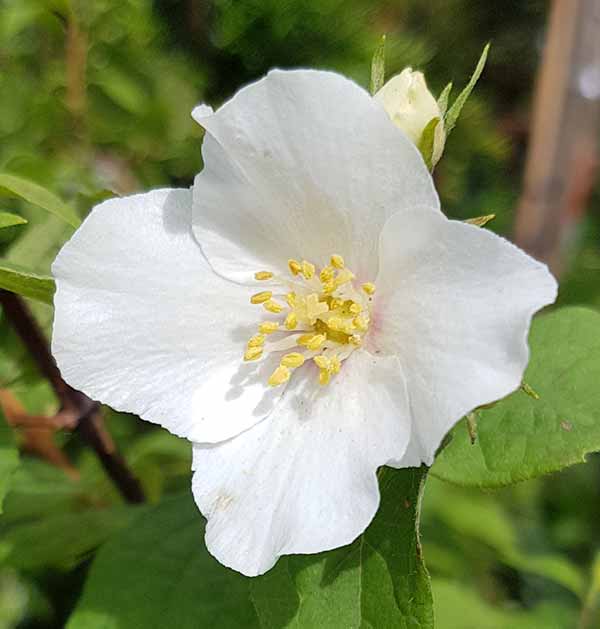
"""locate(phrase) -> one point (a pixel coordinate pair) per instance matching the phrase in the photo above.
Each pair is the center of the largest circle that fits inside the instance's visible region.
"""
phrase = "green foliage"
(454, 112)
(19, 280)
(31, 192)
(426, 143)
(378, 581)
(458, 607)
(378, 67)
(9, 220)
(520, 437)
(9, 458)
(156, 574)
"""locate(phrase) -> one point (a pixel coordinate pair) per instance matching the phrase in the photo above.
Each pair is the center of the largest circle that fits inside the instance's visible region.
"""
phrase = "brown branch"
(89, 423)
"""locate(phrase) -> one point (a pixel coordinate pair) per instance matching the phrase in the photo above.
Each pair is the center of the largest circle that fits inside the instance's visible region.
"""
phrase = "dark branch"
(89, 420)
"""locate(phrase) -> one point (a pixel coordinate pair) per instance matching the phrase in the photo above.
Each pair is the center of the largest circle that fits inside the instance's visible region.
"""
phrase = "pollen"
(279, 376)
(272, 306)
(263, 275)
(268, 327)
(262, 297)
(295, 359)
(325, 316)
(369, 288)
(337, 261)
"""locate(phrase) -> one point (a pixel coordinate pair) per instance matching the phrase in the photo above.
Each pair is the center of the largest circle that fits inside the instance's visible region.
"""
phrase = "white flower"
(153, 316)
(411, 106)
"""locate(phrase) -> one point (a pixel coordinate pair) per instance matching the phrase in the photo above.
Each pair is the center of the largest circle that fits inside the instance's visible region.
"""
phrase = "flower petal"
(454, 303)
(304, 480)
(302, 164)
(143, 324)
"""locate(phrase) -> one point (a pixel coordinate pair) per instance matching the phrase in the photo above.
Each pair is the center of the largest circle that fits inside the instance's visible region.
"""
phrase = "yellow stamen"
(291, 321)
(334, 323)
(324, 377)
(316, 341)
(329, 287)
(336, 365)
(294, 266)
(263, 275)
(293, 360)
(361, 323)
(308, 269)
(291, 299)
(279, 376)
(327, 273)
(268, 327)
(337, 261)
(344, 276)
(355, 308)
(258, 340)
(322, 362)
(253, 353)
(369, 288)
(260, 298)
(312, 341)
(356, 340)
(272, 306)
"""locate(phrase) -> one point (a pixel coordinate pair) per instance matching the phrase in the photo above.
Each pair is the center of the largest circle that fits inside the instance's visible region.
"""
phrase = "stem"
(89, 419)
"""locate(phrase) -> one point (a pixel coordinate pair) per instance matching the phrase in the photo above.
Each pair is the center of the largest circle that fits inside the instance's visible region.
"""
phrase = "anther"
(369, 288)
(308, 269)
(294, 266)
(258, 340)
(253, 353)
(279, 376)
(327, 273)
(293, 360)
(272, 306)
(361, 323)
(337, 261)
(322, 362)
(291, 299)
(291, 321)
(261, 298)
(263, 275)
(356, 340)
(268, 327)
(324, 377)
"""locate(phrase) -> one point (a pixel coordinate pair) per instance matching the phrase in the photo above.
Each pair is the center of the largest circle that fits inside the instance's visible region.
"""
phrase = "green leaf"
(379, 581)
(33, 193)
(62, 540)
(20, 280)
(520, 437)
(378, 67)
(157, 573)
(10, 220)
(427, 142)
(455, 603)
(442, 101)
(9, 458)
(461, 99)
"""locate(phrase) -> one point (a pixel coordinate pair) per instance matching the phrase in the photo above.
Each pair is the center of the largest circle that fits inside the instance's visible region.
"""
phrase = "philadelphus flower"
(411, 106)
(303, 315)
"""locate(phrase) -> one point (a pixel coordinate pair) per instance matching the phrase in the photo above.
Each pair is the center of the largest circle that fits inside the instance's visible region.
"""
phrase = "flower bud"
(411, 106)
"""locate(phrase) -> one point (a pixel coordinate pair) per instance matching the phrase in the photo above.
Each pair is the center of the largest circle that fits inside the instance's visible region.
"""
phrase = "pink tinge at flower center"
(323, 317)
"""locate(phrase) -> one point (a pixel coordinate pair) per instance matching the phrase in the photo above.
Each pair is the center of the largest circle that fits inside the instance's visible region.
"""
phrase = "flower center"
(323, 317)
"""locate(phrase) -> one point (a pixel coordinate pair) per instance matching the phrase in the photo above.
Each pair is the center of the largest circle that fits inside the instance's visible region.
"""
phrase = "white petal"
(304, 480)
(143, 324)
(302, 164)
(454, 303)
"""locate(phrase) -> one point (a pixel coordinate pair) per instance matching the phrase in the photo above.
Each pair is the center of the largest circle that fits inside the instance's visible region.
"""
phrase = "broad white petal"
(143, 324)
(304, 480)
(454, 303)
(302, 164)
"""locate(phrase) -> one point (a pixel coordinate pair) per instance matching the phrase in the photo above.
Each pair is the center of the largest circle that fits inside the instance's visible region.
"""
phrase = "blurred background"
(95, 100)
